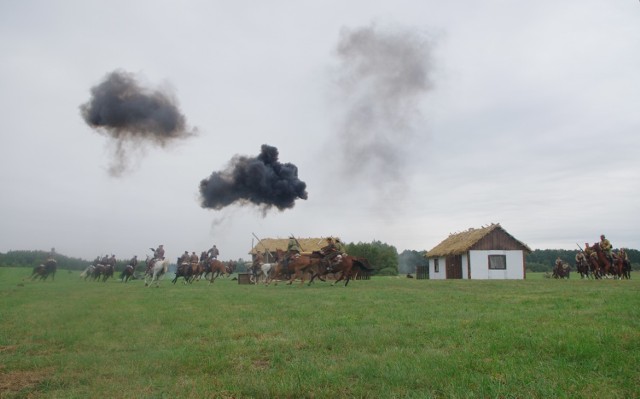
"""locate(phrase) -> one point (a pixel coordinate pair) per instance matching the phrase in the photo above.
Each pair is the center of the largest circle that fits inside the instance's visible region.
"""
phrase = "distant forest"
(385, 258)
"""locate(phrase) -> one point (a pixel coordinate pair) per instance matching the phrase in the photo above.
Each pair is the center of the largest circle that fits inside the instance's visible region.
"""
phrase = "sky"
(395, 121)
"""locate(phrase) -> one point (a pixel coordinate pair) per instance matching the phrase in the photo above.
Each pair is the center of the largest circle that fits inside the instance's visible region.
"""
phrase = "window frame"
(492, 265)
(436, 265)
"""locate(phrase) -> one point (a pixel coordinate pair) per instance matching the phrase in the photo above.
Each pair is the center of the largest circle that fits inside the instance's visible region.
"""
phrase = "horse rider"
(293, 249)
(194, 258)
(558, 265)
(134, 262)
(158, 254)
(104, 260)
(330, 252)
(184, 258)
(213, 252)
(580, 259)
(606, 247)
(52, 254)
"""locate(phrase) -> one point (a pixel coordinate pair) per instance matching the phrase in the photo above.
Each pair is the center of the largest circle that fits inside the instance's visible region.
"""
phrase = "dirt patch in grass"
(16, 381)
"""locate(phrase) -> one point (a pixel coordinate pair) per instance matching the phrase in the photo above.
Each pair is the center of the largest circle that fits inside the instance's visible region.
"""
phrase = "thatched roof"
(272, 244)
(460, 243)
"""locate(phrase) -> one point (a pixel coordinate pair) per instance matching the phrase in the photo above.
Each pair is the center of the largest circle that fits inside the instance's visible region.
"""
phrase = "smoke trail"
(261, 180)
(133, 117)
(382, 77)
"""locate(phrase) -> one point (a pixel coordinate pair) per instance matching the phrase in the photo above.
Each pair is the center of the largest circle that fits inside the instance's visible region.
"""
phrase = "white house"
(480, 254)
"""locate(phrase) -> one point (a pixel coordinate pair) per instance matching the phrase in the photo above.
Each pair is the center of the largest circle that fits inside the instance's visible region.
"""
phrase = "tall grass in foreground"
(383, 338)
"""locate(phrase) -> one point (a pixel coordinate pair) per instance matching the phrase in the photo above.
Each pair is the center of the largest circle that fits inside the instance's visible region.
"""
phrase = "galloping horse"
(348, 267)
(127, 273)
(214, 267)
(599, 261)
(297, 266)
(44, 270)
(561, 271)
(184, 270)
(157, 270)
(582, 267)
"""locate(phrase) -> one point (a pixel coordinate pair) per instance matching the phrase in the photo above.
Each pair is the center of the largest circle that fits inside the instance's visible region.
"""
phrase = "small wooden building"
(271, 245)
(479, 253)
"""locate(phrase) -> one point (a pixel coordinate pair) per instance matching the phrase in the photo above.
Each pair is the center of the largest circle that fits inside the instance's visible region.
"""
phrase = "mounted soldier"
(332, 252)
(606, 247)
(213, 253)
(158, 254)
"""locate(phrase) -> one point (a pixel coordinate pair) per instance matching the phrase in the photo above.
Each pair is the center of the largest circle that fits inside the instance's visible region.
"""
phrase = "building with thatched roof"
(271, 245)
(479, 253)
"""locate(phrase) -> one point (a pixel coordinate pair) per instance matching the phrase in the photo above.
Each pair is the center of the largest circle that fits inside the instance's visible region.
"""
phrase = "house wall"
(442, 274)
(479, 265)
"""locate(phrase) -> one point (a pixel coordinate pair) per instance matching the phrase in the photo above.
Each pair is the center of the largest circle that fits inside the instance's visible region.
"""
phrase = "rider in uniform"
(213, 252)
(606, 246)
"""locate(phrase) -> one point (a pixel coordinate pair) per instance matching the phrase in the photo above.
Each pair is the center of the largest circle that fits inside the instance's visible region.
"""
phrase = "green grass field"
(384, 338)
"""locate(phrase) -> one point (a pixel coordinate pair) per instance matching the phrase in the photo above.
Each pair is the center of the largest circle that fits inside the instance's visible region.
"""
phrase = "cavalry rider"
(331, 251)
(213, 252)
(580, 259)
(52, 254)
(184, 258)
(606, 247)
(134, 262)
(293, 249)
(194, 257)
(558, 265)
(158, 254)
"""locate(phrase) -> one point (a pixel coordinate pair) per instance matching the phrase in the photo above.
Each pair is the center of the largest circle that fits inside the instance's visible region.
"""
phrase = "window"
(497, 262)
(436, 266)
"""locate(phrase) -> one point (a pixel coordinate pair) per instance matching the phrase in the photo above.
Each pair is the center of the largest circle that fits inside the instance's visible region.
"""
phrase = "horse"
(561, 270)
(600, 260)
(622, 266)
(296, 267)
(88, 272)
(348, 266)
(216, 268)
(158, 269)
(45, 270)
(262, 273)
(184, 270)
(582, 267)
(108, 272)
(127, 273)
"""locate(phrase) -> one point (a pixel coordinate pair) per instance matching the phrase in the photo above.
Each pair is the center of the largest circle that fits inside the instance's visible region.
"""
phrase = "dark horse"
(44, 270)
(127, 273)
(561, 270)
(349, 267)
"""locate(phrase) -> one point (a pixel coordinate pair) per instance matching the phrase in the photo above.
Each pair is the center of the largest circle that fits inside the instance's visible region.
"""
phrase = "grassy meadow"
(389, 337)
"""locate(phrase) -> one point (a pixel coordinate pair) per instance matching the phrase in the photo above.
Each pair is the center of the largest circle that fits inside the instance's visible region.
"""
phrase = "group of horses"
(207, 268)
(309, 265)
(98, 272)
(597, 265)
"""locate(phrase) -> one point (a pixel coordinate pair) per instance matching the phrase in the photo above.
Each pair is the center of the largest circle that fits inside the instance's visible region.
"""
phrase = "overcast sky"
(406, 120)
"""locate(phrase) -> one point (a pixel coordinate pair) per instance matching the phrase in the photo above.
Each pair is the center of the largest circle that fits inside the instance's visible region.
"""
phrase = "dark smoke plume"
(262, 181)
(382, 77)
(133, 116)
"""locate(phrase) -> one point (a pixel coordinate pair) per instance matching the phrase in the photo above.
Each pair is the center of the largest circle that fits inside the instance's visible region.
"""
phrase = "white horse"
(88, 272)
(265, 273)
(156, 272)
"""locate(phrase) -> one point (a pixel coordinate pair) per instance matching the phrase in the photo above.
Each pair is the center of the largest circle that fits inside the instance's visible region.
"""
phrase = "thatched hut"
(479, 253)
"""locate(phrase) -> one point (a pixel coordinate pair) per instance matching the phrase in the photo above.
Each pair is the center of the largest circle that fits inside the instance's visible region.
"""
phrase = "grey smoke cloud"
(262, 181)
(382, 76)
(133, 117)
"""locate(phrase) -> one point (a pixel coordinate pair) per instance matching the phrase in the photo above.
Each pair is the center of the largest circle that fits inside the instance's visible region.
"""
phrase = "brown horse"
(297, 267)
(599, 261)
(45, 270)
(348, 267)
(214, 267)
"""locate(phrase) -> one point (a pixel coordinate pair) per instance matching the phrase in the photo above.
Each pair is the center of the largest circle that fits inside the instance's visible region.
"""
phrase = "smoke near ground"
(260, 180)
(382, 76)
(133, 117)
